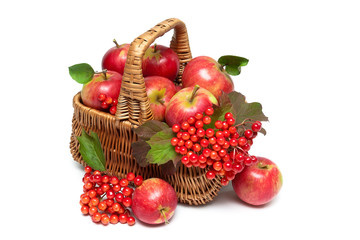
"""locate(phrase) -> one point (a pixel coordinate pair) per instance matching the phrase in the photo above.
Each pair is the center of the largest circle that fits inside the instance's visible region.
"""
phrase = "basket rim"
(78, 104)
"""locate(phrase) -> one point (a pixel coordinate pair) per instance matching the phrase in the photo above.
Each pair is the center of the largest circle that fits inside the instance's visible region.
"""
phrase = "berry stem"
(162, 211)
(117, 45)
(196, 88)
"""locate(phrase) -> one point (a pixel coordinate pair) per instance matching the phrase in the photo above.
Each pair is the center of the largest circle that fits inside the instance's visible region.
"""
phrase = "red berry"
(233, 142)
(242, 141)
(114, 219)
(209, 132)
(232, 129)
(191, 120)
(101, 97)
(185, 160)
(256, 126)
(176, 128)
(108, 100)
(85, 209)
(104, 105)
(127, 202)
(127, 191)
(219, 134)
(192, 130)
(194, 138)
(209, 111)
(224, 181)
(206, 120)
(105, 179)
(226, 133)
(114, 102)
(206, 152)
(181, 143)
(183, 150)
(200, 132)
(220, 140)
(130, 176)
(119, 197)
(228, 115)
(248, 134)
(113, 110)
(210, 174)
(230, 175)
(123, 218)
(130, 221)
(222, 152)
(185, 125)
(102, 206)
(88, 169)
(213, 155)
(212, 140)
(204, 142)
(198, 116)
(225, 125)
(138, 180)
(248, 161)
(174, 141)
(96, 217)
(193, 158)
(237, 167)
(218, 124)
(105, 219)
(217, 166)
(230, 121)
(216, 147)
(105, 187)
(199, 124)
(185, 136)
(110, 194)
(227, 166)
(246, 147)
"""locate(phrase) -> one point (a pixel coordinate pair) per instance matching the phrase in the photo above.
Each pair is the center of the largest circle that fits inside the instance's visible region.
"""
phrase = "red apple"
(207, 73)
(154, 201)
(258, 184)
(160, 61)
(115, 58)
(187, 102)
(159, 91)
(107, 83)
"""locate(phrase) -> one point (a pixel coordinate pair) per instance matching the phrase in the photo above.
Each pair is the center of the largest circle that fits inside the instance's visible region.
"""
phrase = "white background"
(304, 69)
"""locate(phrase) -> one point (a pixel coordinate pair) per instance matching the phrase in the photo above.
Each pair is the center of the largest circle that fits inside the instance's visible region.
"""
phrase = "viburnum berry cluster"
(108, 199)
(108, 103)
(223, 150)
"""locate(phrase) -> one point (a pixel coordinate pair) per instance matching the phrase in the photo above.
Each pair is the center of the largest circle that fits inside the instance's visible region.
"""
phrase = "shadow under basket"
(115, 131)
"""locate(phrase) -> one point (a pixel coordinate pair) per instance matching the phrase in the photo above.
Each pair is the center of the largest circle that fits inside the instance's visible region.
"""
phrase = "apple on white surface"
(258, 184)
(154, 201)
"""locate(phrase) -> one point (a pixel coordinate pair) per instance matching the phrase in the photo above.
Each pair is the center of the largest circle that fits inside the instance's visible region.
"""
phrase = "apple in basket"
(259, 183)
(154, 201)
(159, 91)
(102, 91)
(115, 58)
(213, 75)
(161, 61)
(187, 102)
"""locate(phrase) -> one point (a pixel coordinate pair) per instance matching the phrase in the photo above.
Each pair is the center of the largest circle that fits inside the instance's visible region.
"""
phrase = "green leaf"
(91, 151)
(233, 64)
(161, 150)
(82, 72)
(149, 128)
(243, 110)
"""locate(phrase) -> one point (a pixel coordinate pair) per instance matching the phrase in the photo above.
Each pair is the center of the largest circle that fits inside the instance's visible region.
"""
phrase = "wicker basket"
(115, 132)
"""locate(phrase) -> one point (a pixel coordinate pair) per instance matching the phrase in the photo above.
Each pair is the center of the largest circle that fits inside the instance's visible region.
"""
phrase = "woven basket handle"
(133, 103)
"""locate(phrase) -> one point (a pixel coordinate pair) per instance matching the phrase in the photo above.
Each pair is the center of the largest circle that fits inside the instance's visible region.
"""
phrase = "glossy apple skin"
(180, 108)
(115, 58)
(109, 86)
(163, 62)
(159, 90)
(258, 184)
(153, 195)
(207, 73)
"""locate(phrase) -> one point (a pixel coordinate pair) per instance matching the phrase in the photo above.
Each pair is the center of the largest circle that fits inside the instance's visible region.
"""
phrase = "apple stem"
(104, 72)
(162, 211)
(117, 45)
(155, 47)
(161, 101)
(196, 88)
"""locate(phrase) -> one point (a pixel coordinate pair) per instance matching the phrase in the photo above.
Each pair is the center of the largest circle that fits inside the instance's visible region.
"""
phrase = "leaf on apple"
(233, 64)
(91, 151)
(235, 103)
(82, 72)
